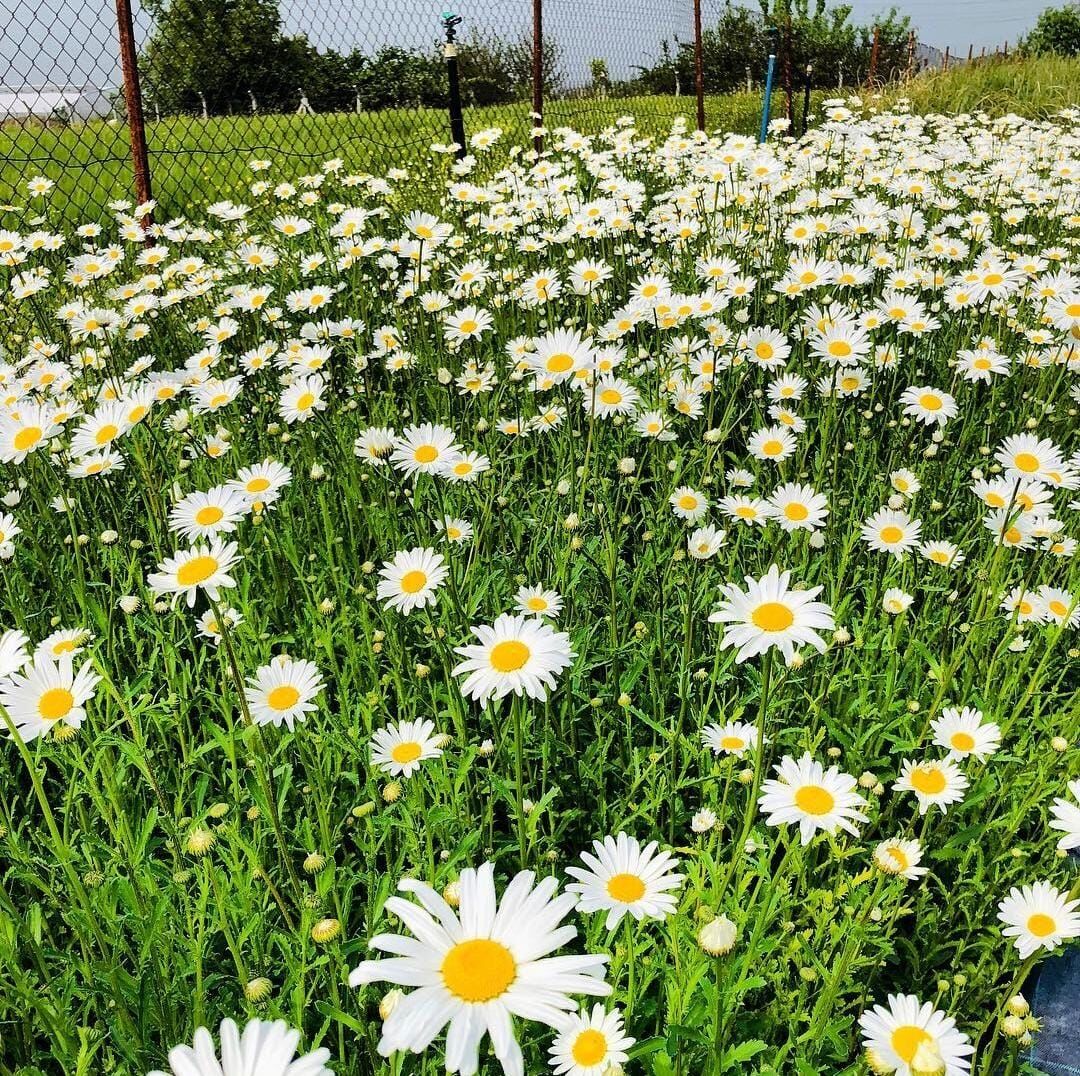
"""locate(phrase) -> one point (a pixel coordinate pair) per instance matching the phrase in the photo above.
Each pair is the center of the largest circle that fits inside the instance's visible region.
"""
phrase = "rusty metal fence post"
(133, 106)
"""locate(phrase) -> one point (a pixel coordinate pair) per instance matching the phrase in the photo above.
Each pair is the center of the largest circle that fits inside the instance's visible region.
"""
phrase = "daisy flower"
(477, 968)
(734, 738)
(815, 798)
(945, 554)
(399, 748)
(768, 614)
(264, 1047)
(1038, 917)
(262, 484)
(590, 1044)
(46, 694)
(13, 652)
(202, 515)
(963, 733)
(688, 504)
(705, 542)
(900, 857)
(210, 628)
(423, 449)
(893, 1035)
(1059, 605)
(518, 654)
(933, 781)
(455, 530)
(300, 400)
(1026, 456)
(774, 444)
(64, 641)
(889, 531)
(410, 579)
(625, 879)
(1067, 819)
(203, 566)
(748, 510)
(896, 601)
(797, 507)
(282, 692)
(932, 407)
(536, 601)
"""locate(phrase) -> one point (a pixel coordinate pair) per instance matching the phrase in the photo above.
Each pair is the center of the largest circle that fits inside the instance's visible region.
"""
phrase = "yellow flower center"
(197, 570)
(906, 1040)
(815, 800)
(732, 743)
(928, 779)
(962, 741)
(772, 448)
(899, 857)
(840, 349)
(283, 697)
(764, 350)
(773, 616)
(796, 511)
(478, 970)
(406, 752)
(929, 402)
(55, 703)
(1073, 310)
(304, 402)
(688, 502)
(611, 396)
(849, 383)
(590, 1047)
(509, 656)
(890, 535)
(208, 516)
(1041, 925)
(537, 604)
(426, 454)
(27, 437)
(981, 364)
(257, 485)
(468, 326)
(1058, 608)
(625, 888)
(1026, 462)
(414, 581)
(992, 279)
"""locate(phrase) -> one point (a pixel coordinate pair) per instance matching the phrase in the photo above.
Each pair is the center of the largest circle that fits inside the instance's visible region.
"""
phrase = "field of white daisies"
(606, 612)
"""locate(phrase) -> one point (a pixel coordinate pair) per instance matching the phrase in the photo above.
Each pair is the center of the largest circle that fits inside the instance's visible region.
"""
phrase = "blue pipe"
(768, 98)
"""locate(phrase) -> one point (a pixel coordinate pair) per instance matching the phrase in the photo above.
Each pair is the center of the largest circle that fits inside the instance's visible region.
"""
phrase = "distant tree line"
(233, 56)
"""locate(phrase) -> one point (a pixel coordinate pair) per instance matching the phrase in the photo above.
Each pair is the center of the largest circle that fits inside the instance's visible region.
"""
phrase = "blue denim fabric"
(1056, 1003)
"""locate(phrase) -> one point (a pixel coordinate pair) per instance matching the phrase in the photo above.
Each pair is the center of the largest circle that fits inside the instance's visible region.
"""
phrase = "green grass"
(196, 160)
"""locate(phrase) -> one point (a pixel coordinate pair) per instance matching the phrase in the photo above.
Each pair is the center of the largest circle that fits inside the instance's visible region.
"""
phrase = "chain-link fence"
(208, 86)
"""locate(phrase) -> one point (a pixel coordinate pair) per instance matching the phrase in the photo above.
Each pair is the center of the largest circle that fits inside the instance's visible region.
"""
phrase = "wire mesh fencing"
(209, 86)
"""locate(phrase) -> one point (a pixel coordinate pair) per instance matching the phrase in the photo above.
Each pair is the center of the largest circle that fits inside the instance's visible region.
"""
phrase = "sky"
(73, 42)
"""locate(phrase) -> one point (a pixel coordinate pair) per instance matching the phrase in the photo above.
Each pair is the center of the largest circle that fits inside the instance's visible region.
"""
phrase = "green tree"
(1057, 31)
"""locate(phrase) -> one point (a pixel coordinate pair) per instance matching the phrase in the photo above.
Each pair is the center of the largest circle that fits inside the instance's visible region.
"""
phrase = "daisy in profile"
(464, 466)
(518, 654)
(1067, 819)
(944, 554)
(13, 652)
(455, 530)
(815, 798)
(590, 1044)
(202, 515)
(64, 641)
(688, 504)
(47, 694)
(282, 691)
(1059, 606)
(410, 579)
(211, 628)
(204, 566)
(478, 967)
(374, 445)
(896, 601)
(748, 510)
(423, 449)
(625, 879)
(932, 407)
(768, 614)
(796, 507)
(963, 733)
(889, 531)
(536, 601)
(900, 857)
(934, 782)
(705, 542)
(894, 1034)
(734, 738)
(1038, 917)
(905, 482)
(399, 749)
(264, 1047)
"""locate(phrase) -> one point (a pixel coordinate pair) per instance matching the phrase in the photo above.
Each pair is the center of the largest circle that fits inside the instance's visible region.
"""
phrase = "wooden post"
(538, 71)
(140, 158)
(945, 60)
(871, 79)
(910, 54)
(971, 52)
(699, 68)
